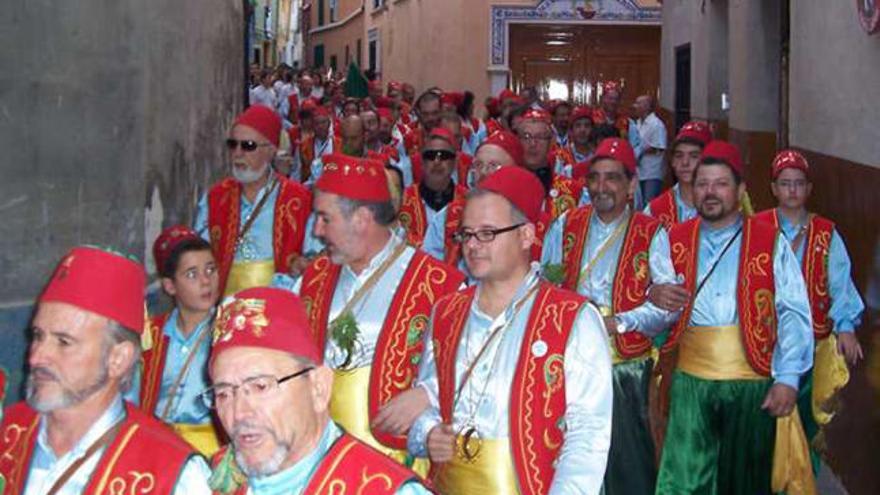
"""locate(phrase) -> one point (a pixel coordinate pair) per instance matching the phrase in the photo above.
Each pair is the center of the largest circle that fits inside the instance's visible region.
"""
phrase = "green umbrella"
(355, 82)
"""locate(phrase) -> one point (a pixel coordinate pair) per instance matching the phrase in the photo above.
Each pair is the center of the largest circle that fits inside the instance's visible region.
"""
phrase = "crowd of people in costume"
(388, 294)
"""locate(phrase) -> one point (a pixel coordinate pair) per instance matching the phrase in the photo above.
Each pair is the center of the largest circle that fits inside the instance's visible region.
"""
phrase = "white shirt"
(262, 95)
(652, 133)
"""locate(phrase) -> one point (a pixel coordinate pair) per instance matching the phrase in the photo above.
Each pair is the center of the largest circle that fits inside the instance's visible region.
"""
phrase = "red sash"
(350, 467)
(537, 400)
(664, 208)
(128, 465)
(154, 364)
(815, 268)
(756, 290)
(413, 216)
(292, 208)
(399, 348)
(633, 274)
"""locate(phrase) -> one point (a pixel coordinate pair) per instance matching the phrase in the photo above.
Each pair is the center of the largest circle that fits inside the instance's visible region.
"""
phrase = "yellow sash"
(202, 437)
(247, 274)
(830, 374)
(715, 353)
(492, 471)
(349, 407)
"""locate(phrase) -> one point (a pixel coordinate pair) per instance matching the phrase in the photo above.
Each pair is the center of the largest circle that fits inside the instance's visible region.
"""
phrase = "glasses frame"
(246, 145)
(211, 403)
(434, 155)
(462, 237)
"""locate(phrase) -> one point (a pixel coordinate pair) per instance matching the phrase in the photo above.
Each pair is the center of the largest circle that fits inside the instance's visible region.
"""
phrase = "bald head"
(643, 106)
(351, 131)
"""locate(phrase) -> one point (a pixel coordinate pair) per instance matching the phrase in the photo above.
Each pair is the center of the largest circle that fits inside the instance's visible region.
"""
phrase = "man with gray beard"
(272, 393)
(256, 219)
(75, 434)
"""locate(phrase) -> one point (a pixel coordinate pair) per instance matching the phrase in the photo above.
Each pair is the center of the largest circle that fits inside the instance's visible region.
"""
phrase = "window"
(333, 64)
(378, 4)
(359, 53)
(320, 12)
(373, 50)
(319, 56)
(347, 56)
(334, 6)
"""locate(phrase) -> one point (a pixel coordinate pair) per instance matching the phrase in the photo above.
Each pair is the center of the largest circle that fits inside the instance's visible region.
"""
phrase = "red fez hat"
(395, 86)
(617, 149)
(169, 239)
(384, 102)
(695, 131)
(507, 141)
(309, 105)
(507, 94)
(444, 134)
(537, 114)
(384, 113)
(581, 112)
(102, 282)
(519, 186)
(267, 318)
(724, 152)
(611, 86)
(321, 111)
(354, 178)
(263, 120)
(454, 99)
(789, 159)
(492, 105)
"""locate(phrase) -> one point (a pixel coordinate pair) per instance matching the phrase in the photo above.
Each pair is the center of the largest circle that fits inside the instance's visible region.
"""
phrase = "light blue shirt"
(580, 466)
(683, 211)
(257, 243)
(846, 303)
(46, 468)
(647, 318)
(435, 234)
(293, 480)
(716, 304)
(187, 406)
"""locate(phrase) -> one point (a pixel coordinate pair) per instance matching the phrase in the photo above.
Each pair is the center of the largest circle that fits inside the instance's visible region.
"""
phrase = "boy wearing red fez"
(676, 205)
(578, 149)
(835, 304)
(743, 340)
(272, 392)
(614, 255)
(491, 344)
(255, 220)
(173, 373)
(87, 335)
(369, 295)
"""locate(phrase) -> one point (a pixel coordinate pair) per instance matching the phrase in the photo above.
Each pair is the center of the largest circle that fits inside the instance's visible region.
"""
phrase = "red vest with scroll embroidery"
(414, 218)
(663, 208)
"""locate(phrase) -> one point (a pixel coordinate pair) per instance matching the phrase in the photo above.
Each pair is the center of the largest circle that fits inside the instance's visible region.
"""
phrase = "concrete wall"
(754, 51)
(835, 90)
(112, 115)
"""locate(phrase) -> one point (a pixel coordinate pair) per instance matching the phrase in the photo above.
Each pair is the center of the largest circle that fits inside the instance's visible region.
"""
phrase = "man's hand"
(848, 345)
(610, 325)
(441, 443)
(299, 265)
(398, 414)
(671, 297)
(780, 400)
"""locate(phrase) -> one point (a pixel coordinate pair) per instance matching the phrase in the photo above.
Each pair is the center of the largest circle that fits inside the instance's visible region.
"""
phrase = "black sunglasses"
(246, 144)
(443, 155)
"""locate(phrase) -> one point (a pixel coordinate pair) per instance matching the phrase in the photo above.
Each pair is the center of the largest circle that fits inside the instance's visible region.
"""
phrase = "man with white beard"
(254, 220)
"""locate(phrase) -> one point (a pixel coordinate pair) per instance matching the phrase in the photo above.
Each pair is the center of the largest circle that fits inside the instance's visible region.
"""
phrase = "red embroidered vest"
(307, 152)
(633, 275)
(756, 290)
(664, 208)
(154, 364)
(563, 196)
(815, 268)
(350, 467)
(128, 465)
(414, 218)
(399, 348)
(292, 207)
(537, 400)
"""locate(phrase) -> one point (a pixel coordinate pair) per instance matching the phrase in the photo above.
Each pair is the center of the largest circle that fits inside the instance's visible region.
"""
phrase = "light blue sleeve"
(648, 318)
(201, 223)
(316, 167)
(435, 239)
(635, 140)
(193, 478)
(846, 303)
(405, 166)
(413, 488)
(311, 244)
(551, 253)
(417, 438)
(793, 354)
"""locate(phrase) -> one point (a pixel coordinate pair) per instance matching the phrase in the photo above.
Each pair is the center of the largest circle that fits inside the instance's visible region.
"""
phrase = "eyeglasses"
(246, 144)
(486, 168)
(256, 387)
(484, 235)
(792, 184)
(441, 155)
(531, 138)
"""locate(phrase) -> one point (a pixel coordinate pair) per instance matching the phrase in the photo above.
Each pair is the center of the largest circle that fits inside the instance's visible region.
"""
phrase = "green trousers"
(718, 440)
(631, 464)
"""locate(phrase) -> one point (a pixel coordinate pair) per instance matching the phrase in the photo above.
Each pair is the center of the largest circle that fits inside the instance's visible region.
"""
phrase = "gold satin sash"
(202, 437)
(247, 274)
(616, 358)
(715, 353)
(792, 468)
(349, 407)
(492, 471)
(830, 375)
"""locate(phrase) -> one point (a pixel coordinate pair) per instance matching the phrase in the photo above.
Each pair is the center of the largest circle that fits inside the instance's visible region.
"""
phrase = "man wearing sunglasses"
(611, 256)
(517, 370)
(426, 203)
(271, 391)
(254, 220)
(370, 295)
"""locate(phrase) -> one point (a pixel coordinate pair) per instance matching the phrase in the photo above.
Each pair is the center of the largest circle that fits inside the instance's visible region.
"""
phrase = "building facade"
(772, 74)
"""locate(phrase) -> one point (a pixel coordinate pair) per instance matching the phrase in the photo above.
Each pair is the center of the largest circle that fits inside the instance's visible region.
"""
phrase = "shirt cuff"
(844, 327)
(417, 439)
(791, 380)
